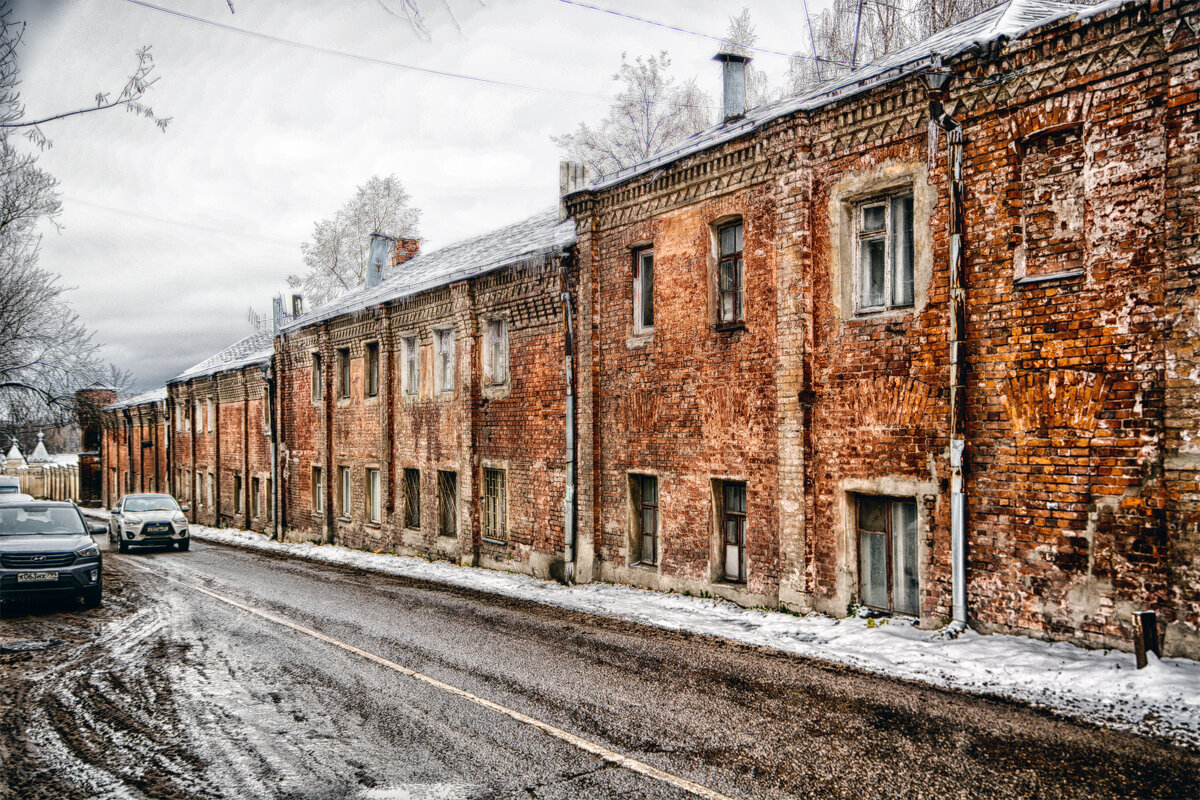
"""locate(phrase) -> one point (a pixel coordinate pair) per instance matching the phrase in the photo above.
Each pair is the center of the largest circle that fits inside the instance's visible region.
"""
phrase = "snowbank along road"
(224, 673)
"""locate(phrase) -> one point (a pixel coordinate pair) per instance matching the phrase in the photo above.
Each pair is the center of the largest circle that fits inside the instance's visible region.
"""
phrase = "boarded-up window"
(447, 500)
(887, 554)
(1052, 202)
(495, 512)
(412, 498)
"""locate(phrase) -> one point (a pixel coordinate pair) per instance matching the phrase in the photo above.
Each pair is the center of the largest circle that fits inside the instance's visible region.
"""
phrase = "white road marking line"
(598, 750)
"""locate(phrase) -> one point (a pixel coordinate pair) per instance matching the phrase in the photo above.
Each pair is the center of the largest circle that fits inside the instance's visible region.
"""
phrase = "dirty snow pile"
(1098, 686)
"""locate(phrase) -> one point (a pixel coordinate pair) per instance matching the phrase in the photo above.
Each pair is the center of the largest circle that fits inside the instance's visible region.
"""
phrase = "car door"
(114, 523)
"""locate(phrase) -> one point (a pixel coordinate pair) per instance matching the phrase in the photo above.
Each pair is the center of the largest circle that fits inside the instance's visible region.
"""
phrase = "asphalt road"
(225, 673)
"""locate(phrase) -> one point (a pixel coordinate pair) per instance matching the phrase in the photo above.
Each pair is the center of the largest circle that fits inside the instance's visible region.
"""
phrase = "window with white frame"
(496, 351)
(199, 488)
(374, 508)
(210, 492)
(412, 365)
(884, 228)
(445, 359)
(318, 491)
(643, 290)
(211, 415)
(345, 504)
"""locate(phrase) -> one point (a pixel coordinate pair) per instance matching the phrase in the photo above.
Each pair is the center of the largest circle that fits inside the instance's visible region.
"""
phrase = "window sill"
(442, 535)
(374, 525)
(1034, 280)
(500, 542)
(412, 529)
(727, 327)
(646, 565)
(343, 519)
(640, 339)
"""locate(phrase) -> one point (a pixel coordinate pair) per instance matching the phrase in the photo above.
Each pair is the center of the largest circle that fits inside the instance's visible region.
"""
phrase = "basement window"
(643, 290)
(447, 501)
(887, 553)
(643, 494)
(318, 491)
(495, 501)
(412, 499)
(884, 227)
(731, 516)
(345, 504)
(374, 508)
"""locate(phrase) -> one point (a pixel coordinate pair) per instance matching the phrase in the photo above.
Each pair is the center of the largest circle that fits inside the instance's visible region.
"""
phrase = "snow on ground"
(1100, 686)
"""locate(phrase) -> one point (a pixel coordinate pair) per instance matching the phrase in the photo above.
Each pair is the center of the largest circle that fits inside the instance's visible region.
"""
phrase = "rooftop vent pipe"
(380, 249)
(572, 176)
(276, 314)
(733, 80)
(297, 306)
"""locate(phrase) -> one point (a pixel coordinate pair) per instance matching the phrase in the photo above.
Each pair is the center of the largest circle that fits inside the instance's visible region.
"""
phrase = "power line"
(678, 29)
(180, 223)
(383, 61)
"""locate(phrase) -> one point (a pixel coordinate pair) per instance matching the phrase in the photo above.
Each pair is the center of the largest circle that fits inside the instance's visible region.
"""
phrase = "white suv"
(148, 519)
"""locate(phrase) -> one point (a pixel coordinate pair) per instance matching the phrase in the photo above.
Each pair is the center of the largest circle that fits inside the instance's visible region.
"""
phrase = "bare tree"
(336, 255)
(652, 112)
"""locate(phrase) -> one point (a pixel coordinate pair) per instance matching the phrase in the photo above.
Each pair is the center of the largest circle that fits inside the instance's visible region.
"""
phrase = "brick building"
(829, 354)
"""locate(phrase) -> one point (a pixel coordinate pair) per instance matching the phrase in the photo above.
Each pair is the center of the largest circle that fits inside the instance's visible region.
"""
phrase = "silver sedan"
(148, 519)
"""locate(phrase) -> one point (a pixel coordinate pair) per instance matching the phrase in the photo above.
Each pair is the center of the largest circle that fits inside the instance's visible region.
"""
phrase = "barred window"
(412, 498)
(495, 515)
(447, 500)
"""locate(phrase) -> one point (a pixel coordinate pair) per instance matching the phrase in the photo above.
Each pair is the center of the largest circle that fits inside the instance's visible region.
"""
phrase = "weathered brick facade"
(784, 437)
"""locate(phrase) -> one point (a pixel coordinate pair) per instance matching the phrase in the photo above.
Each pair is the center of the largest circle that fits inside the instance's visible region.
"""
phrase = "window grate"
(412, 498)
(447, 496)
(495, 523)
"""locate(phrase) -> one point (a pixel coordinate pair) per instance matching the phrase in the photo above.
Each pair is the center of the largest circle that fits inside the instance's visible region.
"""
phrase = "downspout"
(269, 380)
(569, 502)
(128, 451)
(938, 80)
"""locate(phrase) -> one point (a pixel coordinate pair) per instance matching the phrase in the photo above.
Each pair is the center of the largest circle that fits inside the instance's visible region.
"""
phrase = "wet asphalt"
(166, 692)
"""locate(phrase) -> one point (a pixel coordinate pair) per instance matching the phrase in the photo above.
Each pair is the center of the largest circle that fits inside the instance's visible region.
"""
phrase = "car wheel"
(122, 547)
(184, 544)
(91, 598)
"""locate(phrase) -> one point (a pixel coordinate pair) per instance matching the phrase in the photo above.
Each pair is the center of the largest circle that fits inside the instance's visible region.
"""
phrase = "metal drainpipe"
(569, 501)
(937, 80)
(128, 451)
(269, 380)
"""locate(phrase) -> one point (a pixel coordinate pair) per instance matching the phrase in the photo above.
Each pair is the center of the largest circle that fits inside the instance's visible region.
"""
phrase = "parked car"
(46, 549)
(15, 497)
(148, 519)
(9, 484)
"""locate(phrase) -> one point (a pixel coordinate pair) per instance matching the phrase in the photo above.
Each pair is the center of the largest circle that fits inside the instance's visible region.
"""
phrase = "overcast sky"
(171, 237)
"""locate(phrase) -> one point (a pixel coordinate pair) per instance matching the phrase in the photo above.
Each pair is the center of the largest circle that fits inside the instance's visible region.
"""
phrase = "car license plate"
(157, 528)
(36, 577)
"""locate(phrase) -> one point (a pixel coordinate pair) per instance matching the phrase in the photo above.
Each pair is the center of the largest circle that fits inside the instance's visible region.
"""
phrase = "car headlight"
(91, 551)
(179, 518)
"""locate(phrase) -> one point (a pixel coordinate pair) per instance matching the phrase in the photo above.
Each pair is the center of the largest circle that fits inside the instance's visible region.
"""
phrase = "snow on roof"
(152, 396)
(257, 348)
(1011, 19)
(530, 238)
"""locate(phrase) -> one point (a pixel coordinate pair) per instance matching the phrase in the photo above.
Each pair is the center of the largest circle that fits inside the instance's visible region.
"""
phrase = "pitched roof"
(257, 348)
(530, 238)
(1011, 19)
(152, 396)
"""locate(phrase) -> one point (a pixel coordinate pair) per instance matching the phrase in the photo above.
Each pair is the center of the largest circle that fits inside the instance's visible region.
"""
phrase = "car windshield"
(139, 504)
(24, 520)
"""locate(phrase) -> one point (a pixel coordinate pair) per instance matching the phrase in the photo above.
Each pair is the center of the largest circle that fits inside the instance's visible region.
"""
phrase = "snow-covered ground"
(1098, 686)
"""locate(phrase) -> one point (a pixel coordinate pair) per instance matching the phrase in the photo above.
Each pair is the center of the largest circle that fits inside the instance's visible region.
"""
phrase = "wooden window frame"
(890, 502)
(316, 380)
(732, 262)
(643, 301)
(496, 350)
(443, 339)
(412, 365)
(371, 363)
(317, 493)
(374, 496)
(642, 508)
(345, 492)
(737, 519)
(343, 364)
(886, 235)
(255, 497)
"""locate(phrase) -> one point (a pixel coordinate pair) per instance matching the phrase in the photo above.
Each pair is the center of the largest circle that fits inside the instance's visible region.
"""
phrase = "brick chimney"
(405, 249)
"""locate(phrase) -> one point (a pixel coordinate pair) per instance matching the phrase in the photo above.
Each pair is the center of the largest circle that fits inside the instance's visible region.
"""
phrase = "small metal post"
(1145, 636)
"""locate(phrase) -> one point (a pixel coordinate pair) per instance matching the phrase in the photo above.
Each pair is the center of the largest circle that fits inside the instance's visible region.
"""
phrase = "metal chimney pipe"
(733, 83)
(380, 248)
(572, 176)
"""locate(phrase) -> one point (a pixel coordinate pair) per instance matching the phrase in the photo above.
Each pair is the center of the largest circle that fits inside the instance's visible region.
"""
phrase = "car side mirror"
(97, 530)
(114, 511)
(184, 508)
